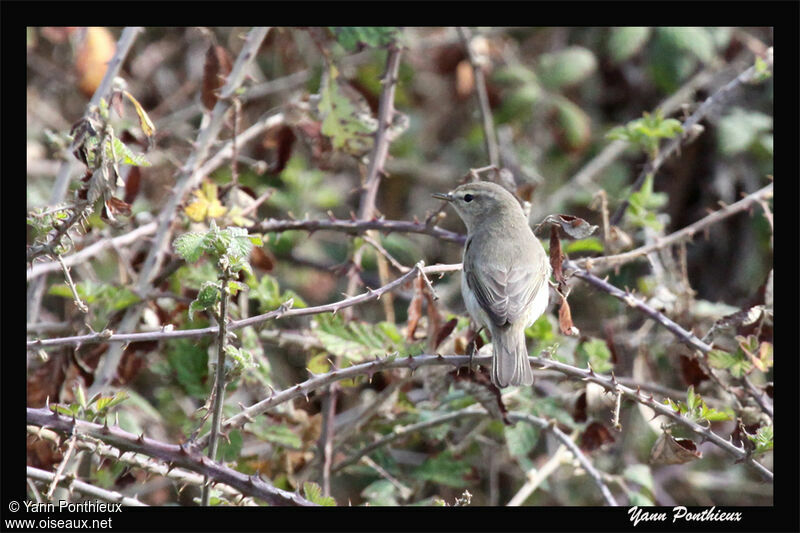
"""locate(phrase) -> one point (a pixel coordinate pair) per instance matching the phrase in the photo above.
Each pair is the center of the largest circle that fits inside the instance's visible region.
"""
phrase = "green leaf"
(231, 448)
(372, 36)
(117, 150)
(189, 361)
(692, 39)
(541, 330)
(640, 474)
(347, 119)
(380, 492)
(566, 67)
(190, 246)
(763, 439)
(740, 129)
(589, 244)
(598, 355)
(575, 123)
(279, 434)
(521, 438)
(313, 492)
(625, 42)
(358, 341)
(445, 470)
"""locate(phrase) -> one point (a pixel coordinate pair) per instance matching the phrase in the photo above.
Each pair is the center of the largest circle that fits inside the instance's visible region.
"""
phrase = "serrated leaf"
(189, 361)
(118, 151)
(313, 492)
(357, 341)
(598, 354)
(190, 246)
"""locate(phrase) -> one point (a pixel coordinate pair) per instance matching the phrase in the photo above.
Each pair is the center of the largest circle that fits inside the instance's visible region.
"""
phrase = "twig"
(219, 383)
(173, 454)
(381, 250)
(148, 464)
(57, 476)
(536, 476)
(583, 178)
(377, 159)
(92, 250)
(684, 336)
(652, 166)
(77, 299)
(569, 443)
(609, 383)
(281, 312)
(686, 233)
(356, 227)
(489, 134)
(36, 289)
(82, 487)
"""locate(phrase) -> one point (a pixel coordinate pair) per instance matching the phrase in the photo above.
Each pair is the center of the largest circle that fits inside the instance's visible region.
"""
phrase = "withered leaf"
(574, 227)
(415, 309)
(691, 372)
(565, 318)
(217, 67)
(132, 184)
(668, 450)
(594, 436)
(444, 332)
(556, 255)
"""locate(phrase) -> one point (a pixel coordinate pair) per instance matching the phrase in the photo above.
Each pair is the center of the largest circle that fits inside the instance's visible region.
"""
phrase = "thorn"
(141, 438)
(330, 216)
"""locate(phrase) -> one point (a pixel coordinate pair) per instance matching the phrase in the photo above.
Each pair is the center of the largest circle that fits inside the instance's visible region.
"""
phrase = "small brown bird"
(505, 279)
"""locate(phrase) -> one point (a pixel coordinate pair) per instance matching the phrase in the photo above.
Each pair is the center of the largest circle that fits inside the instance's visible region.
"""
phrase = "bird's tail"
(510, 364)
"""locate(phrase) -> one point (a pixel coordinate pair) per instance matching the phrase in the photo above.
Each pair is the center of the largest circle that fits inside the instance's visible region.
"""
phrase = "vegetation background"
(318, 142)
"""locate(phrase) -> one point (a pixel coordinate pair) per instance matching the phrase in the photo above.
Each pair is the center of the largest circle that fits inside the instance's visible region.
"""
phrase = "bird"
(505, 275)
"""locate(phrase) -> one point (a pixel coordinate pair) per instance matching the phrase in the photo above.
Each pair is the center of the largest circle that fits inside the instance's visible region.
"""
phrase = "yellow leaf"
(205, 204)
(148, 128)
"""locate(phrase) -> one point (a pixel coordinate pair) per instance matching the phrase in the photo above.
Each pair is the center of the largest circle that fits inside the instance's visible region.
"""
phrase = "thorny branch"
(683, 234)
(173, 454)
(88, 489)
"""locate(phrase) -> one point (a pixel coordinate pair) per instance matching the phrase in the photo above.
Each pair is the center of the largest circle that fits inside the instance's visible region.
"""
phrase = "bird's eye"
(468, 197)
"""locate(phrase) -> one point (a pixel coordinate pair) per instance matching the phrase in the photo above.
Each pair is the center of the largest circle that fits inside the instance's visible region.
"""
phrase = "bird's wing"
(505, 292)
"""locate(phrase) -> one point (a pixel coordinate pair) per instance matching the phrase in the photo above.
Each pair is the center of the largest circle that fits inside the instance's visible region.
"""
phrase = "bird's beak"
(441, 196)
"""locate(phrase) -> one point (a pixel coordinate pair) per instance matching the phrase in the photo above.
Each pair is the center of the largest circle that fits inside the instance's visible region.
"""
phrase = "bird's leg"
(472, 347)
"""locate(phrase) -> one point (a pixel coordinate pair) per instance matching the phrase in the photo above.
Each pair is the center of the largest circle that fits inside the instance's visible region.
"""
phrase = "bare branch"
(174, 454)
(683, 234)
(370, 295)
(84, 488)
(489, 134)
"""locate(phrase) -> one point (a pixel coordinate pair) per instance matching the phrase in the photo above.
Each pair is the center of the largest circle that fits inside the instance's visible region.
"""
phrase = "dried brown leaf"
(217, 67)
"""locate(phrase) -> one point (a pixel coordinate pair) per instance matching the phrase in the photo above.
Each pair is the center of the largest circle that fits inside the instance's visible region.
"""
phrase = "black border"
(783, 16)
